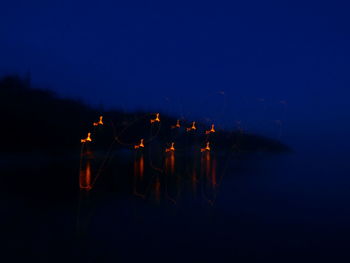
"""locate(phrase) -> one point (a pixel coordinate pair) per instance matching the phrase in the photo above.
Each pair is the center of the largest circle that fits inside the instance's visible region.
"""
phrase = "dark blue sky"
(228, 61)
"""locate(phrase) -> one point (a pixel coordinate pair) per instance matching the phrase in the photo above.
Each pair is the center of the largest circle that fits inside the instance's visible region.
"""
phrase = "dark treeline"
(37, 120)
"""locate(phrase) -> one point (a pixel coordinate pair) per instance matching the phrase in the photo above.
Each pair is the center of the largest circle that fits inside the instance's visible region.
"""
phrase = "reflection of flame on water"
(205, 164)
(141, 145)
(213, 173)
(170, 162)
(85, 177)
(156, 119)
(139, 166)
(87, 139)
(171, 179)
(208, 167)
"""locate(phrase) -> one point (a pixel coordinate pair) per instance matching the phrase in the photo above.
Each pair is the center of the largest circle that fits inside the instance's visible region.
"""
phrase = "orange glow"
(213, 173)
(171, 148)
(87, 139)
(156, 119)
(141, 145)
(138, 176)
(207, 147)
(177, 125)
(142, 165)
(193, 127)
(139, 167)
(170, 163)
(207, 164)
(212, 130)
(100, 122)
(85, 177)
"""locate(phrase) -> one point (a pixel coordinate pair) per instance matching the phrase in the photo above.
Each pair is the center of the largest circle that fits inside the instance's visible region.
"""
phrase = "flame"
(156, 119)
(177, 125)
(171, 148)
(207, 147)
(87, 139)
(193, 127)
(212, 130)
(100, 122)
(141, 145)
(194, 181)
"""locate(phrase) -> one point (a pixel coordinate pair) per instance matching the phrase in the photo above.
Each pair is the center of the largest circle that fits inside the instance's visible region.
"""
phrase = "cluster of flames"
(157, 119)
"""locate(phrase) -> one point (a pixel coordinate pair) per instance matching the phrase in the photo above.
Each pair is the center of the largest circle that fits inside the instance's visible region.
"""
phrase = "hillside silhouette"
(37, 120)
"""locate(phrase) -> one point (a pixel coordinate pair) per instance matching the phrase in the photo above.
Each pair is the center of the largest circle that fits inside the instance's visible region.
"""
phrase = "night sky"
(251, 61)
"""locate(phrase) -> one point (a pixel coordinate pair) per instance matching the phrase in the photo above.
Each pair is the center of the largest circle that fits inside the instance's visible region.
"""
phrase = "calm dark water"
(259, 208)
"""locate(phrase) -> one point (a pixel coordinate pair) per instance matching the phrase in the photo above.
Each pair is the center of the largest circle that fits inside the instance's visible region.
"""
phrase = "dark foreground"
(285, 208)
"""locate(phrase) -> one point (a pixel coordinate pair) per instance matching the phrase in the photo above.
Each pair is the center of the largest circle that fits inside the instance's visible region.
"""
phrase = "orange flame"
(156, 119)
(171, 149)
(212, 130)
(87, 139)
(100, 122)
(207, 147)
(177, 125)
(193, 127)
(141, 145)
